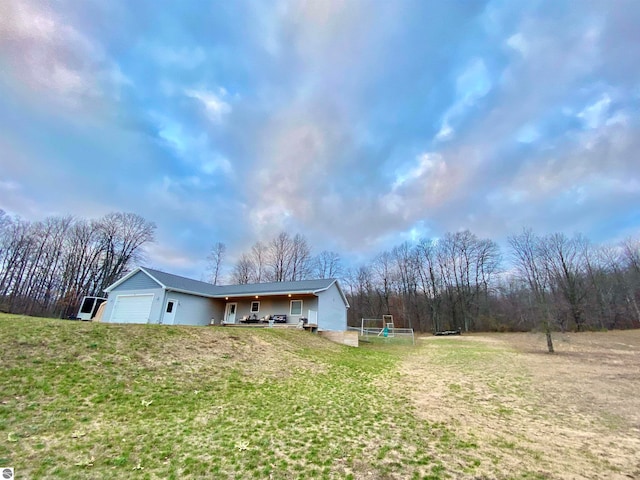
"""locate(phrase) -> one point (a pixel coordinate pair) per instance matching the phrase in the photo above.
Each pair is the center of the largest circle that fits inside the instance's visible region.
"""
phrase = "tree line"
(284, 258)
(458, 281)
(463, 282)
(47, 266)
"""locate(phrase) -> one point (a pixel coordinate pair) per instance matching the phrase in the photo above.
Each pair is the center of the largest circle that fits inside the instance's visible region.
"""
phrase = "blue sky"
(359, 124)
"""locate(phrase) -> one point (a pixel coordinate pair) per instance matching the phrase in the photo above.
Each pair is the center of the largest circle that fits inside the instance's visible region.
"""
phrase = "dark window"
(255, 307)
(87, 305)
(169, 307)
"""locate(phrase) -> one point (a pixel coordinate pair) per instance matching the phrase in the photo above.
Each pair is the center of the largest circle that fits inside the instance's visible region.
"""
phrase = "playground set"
(377, 329)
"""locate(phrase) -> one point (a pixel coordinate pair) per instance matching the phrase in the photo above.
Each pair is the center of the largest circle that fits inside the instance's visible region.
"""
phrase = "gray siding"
(218, 310)
(332, 312)
(156, 307)
(139, 281)
(274, 306)
(191, 309)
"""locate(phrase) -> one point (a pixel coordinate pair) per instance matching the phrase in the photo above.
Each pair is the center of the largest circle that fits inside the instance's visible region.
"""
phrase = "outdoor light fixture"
(226, 298)
(256, 296)
(289, 294)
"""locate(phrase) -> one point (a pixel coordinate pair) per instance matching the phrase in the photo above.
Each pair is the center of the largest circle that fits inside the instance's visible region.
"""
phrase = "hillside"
(84, 400)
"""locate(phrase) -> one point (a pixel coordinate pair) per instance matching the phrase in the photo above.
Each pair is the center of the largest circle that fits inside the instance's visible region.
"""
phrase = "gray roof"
(187, 285)
(276, 288)
(184, 284)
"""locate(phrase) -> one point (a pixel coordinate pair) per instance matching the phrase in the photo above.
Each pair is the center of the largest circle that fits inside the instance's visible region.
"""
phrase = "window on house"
(255, 307)
(169, 307)
(296, 307)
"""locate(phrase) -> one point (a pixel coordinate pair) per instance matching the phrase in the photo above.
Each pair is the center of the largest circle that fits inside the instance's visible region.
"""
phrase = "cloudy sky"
(359, 124)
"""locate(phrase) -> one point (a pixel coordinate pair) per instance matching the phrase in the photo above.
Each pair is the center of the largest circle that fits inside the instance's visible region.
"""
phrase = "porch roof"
(310, 287)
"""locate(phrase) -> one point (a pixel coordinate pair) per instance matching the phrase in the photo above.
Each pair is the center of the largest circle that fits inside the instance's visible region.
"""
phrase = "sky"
(359, 124)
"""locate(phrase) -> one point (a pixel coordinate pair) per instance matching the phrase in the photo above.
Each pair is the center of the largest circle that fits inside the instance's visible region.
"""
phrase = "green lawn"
(83, 400)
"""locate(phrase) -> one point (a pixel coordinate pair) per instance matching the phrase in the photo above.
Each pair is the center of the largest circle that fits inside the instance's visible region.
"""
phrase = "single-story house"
(150, 296)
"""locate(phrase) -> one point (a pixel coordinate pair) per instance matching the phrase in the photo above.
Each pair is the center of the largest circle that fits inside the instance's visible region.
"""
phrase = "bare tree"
(122, 235)
(529, 260)
(300, 258)
(631, 259)
(382, 270)
(431, 281)
(46, 266)
(565, 261)
(327, 265)
(243, 270)
(406, 280)
(214, 260)
(259, 260)
(279, 255)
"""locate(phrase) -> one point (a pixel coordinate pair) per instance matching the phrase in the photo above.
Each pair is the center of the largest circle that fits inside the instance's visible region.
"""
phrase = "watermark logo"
(7, 473)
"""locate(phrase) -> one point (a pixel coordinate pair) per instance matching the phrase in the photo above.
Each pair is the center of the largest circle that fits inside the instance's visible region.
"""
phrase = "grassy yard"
(83, 400)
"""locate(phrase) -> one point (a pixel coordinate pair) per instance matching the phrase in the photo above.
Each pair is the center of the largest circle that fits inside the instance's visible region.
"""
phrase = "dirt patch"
(524, 412)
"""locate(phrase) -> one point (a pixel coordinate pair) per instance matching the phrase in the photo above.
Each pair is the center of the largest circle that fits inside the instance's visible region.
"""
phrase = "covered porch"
(268, 310)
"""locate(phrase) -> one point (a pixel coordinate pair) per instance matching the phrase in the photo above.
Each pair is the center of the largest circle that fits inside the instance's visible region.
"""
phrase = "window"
(87, 305)
(296, 307)
(169, 307)
(255, 307)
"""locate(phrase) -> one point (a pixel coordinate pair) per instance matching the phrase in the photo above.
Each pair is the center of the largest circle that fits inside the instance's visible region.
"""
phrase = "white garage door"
(132, 309)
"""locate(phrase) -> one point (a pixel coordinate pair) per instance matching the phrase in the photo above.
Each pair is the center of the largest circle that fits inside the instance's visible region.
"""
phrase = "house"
(150, 296)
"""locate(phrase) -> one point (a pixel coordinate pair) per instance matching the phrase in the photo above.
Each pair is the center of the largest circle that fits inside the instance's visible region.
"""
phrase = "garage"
(132, 309)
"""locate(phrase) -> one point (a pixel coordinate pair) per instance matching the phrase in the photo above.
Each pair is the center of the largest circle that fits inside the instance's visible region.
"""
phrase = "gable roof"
(181, 284)
(170, 282)
(194, 287)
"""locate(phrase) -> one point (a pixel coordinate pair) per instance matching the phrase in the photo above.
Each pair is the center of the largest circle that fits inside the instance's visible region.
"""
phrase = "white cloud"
(471, 85)
(595, 115)
(519, 44)
(192, 150)
(166, 256)
(217, 163)
(429, 166)
(9, 185)
(46, 53)
(445, 132)
(214, 103)
(474, 82)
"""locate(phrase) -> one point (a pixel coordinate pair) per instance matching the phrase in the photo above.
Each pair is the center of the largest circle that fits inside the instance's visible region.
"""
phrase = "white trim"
(153, 278)
(123, 279)
(251, 310)
(291, 307)
(282, 293)
(131, 274)
(344, 297)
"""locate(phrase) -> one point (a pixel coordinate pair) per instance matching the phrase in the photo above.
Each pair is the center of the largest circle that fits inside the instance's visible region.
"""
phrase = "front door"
(230, 314)
(170, 312)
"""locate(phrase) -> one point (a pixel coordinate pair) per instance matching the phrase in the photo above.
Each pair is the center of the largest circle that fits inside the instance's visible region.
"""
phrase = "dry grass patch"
(575, 414)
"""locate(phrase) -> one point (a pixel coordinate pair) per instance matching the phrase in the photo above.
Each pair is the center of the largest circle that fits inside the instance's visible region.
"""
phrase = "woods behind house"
(461, 281)
(458, 281)
(46, 267)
